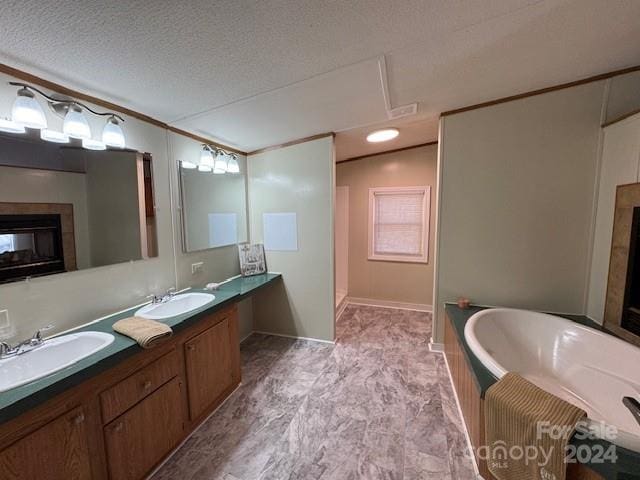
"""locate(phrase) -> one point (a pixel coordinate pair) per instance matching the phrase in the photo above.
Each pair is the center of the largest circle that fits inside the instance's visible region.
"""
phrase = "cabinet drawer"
(134, 388)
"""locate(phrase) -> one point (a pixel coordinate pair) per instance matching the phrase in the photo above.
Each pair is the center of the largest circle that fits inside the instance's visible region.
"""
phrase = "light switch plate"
(197, 268)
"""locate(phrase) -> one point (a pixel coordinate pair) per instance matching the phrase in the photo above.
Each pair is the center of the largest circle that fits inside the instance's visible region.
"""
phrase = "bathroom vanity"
(119, 413)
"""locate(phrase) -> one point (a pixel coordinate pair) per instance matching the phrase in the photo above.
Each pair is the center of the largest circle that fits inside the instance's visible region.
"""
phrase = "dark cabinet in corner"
(122, 423)
(56, 451)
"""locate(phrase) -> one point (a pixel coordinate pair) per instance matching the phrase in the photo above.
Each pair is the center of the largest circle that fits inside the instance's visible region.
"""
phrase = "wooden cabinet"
(55, 451)
(208, 366)
(137, 440)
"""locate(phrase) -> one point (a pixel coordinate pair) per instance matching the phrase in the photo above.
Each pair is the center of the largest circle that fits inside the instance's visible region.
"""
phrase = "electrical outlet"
(197, 268)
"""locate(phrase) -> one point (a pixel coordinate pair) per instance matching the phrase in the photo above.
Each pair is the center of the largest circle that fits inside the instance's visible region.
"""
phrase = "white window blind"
(398, 223)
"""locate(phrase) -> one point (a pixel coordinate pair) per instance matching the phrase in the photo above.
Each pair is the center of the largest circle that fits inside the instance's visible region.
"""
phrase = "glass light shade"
(53, 136)
(206, 159)
(112, 134)
(233, 166)
(204, 168)
(188, 165)
(91, 144)
(383, 135)
(75, 124)
(27, 111)
(220, 166)
(10, 126)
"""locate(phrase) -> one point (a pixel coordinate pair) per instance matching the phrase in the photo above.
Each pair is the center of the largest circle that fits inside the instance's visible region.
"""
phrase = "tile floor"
(377, 405)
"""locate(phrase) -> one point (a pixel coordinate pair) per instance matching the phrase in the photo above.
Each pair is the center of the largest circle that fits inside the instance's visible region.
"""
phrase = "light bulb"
(233, 166)
(112, 134)
(10, 126)
(27, 111)
(188, 165)
(204, 168)
(91, 144)
(220, 166)
(75, 124)
(53, 136)
(206, 159)
(383, 135)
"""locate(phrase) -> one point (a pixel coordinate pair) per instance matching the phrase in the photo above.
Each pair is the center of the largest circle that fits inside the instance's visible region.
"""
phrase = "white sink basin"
(54, 355)
(179, 304)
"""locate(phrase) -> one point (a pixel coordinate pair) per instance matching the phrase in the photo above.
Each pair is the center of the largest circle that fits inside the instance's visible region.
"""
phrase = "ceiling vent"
(403, 111)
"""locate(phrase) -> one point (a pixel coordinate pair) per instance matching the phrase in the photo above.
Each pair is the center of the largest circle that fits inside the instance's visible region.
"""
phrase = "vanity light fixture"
(220, 167)
(205, 168)
(383, 135)
(54, 136)
(112, 134)
(233, 166)
(217, 160)
(91, 144)
(206, 159)
(26, 110)
(9, 126)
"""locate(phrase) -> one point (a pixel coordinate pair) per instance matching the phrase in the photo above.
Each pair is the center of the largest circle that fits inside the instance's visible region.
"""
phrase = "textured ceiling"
(236, 70)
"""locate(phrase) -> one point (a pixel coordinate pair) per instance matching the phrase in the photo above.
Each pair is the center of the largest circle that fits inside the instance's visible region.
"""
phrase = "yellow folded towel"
(148, 333)
(527, 430)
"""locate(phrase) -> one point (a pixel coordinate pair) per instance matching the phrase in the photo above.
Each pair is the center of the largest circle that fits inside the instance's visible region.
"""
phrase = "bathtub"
(588, 368)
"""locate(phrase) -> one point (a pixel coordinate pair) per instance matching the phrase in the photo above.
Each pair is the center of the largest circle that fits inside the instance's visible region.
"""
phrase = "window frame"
(426, 218)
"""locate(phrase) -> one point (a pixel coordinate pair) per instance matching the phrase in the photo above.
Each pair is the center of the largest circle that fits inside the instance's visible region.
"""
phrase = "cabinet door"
(56, 451)
(138, 439)
(208, 364)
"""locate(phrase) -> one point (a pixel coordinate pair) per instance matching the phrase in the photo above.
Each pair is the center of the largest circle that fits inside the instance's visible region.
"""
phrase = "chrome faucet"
(157, 299)
(634, 407)
(25, 346)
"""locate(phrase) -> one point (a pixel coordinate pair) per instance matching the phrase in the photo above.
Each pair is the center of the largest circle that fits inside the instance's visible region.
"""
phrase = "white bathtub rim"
(624, 438)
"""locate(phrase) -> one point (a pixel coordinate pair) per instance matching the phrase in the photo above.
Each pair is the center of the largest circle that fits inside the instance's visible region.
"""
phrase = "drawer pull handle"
(78, 419)
(147, 385)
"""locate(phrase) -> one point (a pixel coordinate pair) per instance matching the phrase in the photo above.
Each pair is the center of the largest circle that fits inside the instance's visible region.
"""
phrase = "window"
(399, 224)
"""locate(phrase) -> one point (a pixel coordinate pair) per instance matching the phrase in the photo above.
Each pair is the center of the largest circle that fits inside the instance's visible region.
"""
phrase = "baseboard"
(464, 425)
(420, 307)
(436, 347)
(341, 308)
(293, 336)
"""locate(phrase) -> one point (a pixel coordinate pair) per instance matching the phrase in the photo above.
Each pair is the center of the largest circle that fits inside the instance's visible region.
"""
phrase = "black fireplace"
(30, 245)
(631, 309)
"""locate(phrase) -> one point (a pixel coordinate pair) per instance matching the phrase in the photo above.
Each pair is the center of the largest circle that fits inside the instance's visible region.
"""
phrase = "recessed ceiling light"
(383, 135)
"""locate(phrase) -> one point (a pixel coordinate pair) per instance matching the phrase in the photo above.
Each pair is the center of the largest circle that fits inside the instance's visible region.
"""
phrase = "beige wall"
(624, 95)
(392, 281)
(620, 165)
(517, 201)
(297, 179)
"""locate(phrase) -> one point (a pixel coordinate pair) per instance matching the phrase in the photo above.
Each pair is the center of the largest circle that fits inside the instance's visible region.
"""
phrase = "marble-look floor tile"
(376, 405)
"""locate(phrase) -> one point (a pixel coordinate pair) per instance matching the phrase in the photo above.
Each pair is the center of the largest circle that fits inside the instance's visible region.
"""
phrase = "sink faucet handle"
(38, 335)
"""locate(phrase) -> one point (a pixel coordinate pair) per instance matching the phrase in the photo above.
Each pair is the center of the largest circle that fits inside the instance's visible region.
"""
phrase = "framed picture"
(252, 260)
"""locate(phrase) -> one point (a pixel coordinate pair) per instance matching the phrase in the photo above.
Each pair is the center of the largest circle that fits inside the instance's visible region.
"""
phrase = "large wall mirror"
(66, 208)
(214, 207)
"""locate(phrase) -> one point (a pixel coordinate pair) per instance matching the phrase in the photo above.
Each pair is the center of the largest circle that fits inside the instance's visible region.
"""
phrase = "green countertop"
(628, 465)
(18, 400)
